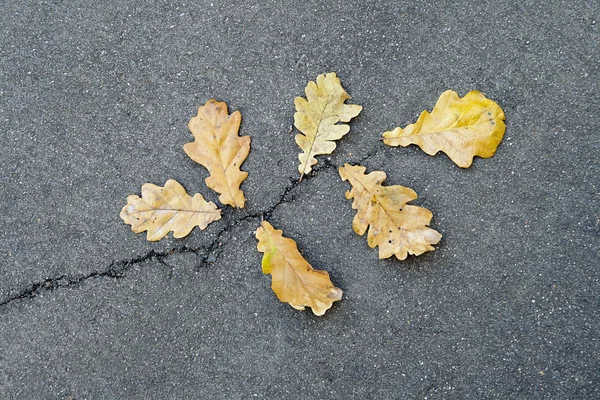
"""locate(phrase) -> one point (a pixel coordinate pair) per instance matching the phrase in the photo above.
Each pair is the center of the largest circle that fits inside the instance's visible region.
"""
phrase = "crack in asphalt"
(116, 270)
(209, 253)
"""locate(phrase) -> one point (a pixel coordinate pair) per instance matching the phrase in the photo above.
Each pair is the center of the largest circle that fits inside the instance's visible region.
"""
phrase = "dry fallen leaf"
(294, 280)
(317, 118)
(398, 229)
(219, 149)
(169, 208)
(461, 128)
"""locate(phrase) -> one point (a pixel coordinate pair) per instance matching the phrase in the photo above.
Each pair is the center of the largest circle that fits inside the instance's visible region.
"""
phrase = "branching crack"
(209, 253)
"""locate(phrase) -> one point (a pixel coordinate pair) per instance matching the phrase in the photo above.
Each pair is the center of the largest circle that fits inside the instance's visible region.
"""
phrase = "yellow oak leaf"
(397, 228)
(317, 118)
(220, 150)
(169, 208)
(461, 128)
(294, 281)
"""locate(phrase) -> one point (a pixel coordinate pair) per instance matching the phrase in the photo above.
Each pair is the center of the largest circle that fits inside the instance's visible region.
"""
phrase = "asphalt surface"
(94, 101)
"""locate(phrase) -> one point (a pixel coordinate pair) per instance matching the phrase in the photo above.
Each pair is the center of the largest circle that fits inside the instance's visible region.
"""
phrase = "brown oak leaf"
(169, 208)
(220, 150)
(397, 228)
(294, 280)
(317, 118)
(460, 127)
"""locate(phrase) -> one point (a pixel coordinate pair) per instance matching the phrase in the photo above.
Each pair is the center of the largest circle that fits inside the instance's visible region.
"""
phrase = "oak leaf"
(294, 281)
(317, 118)
(397, 228)
(169, 208)
(460, 127)
(220, 150)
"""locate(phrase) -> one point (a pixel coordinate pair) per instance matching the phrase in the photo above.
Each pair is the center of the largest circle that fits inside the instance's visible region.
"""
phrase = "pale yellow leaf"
(220, 150)
(397, 228)
(317, 118)
(294, 281)
(169, 208)
(460, 127)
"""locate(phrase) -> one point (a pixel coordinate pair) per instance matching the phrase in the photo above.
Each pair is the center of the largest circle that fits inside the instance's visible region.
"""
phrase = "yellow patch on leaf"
(317, 118)
(169, 208)
(294, 281)
(220, 150)
(397, 228)
(460, 127)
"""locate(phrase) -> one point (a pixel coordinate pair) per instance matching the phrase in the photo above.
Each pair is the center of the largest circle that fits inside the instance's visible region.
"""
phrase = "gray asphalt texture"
(94, 101)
